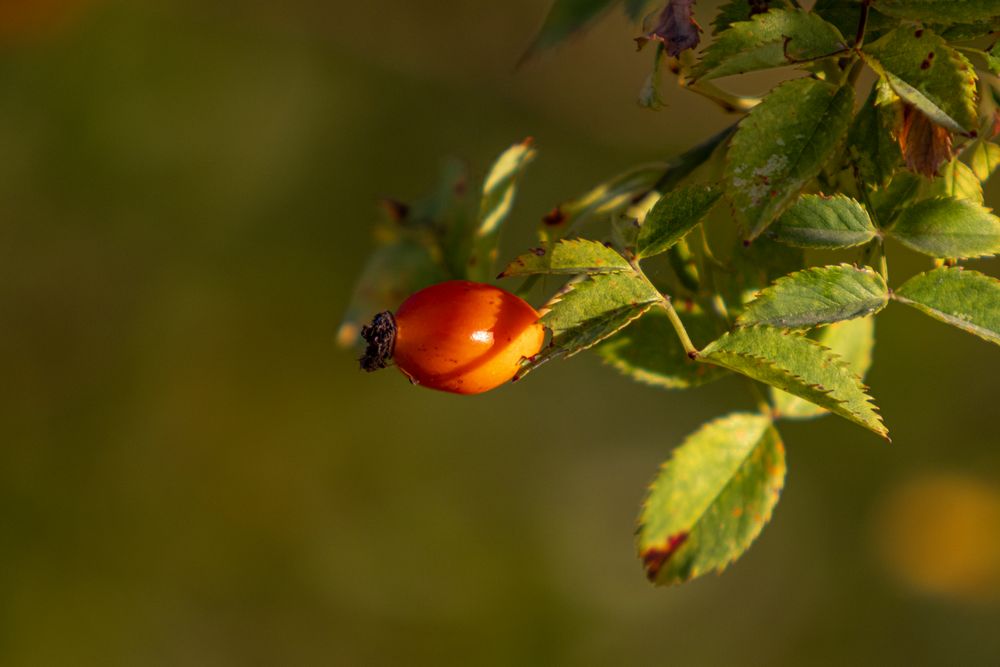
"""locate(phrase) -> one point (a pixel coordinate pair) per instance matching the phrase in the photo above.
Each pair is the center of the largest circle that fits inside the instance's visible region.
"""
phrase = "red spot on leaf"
(653, 558)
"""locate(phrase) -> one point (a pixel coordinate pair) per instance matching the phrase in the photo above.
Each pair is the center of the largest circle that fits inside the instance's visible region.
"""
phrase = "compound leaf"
(772, 39)
(649, 351)
(927, 73)
(816, 221)
(946, 227)
(852, 341)
(673, 216)
(943, 11)
(799, 366)
(589, 310)
(782, 145)
(568, 256)
(497, 200)
(819, 295)
(960, 297)
(711, 499)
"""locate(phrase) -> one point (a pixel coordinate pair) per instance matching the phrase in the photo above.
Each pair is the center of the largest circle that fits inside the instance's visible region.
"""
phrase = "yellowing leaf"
(710, 501)
(568, 256)
(497, 200)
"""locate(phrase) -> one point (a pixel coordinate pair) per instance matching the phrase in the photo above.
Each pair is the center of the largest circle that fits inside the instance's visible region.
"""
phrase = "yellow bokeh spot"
(940, 534)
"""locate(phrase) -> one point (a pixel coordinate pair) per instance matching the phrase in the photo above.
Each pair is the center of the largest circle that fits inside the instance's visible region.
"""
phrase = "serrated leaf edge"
(542, 358)
(833, 357)
(758, 528)
(588, 270)
(829, 198)
(697, 74)
(945, 317)
(751, 234)
(768, 292)
(902, 239)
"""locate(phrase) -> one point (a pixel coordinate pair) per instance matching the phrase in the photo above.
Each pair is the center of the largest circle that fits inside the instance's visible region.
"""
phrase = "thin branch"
(859, 36)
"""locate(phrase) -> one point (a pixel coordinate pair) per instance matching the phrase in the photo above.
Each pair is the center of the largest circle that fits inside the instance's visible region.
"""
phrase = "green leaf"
(948, 228)
(904, 189)
(993, 58)
(710, 501)
(673, 216)
(684, 265)
(956, 180)
(798, 365)
(926, 72)
(609, 197)
(844, 14)
(984, 158)
(587, 311)
(773, 39)
(649, 94)
(393, 272)
(570, 256)
(960, 32)
(564, 19)
(819, 295)
(649, 351)
(782, 145)
(852, 341)
(816, 221)
(497, 200)
(944, 11)
(870, 142)
(731, 12)
(960, 297)
(756, 267)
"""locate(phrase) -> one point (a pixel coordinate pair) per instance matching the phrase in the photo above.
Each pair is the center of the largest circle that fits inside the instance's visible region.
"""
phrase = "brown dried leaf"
(676, 28)
(925, 145)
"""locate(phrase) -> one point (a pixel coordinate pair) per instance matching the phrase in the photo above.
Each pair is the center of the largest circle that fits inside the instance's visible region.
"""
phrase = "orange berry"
(457, 336)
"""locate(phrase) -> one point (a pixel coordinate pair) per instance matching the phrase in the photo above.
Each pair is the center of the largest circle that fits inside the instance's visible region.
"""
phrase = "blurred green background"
(194, 474)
